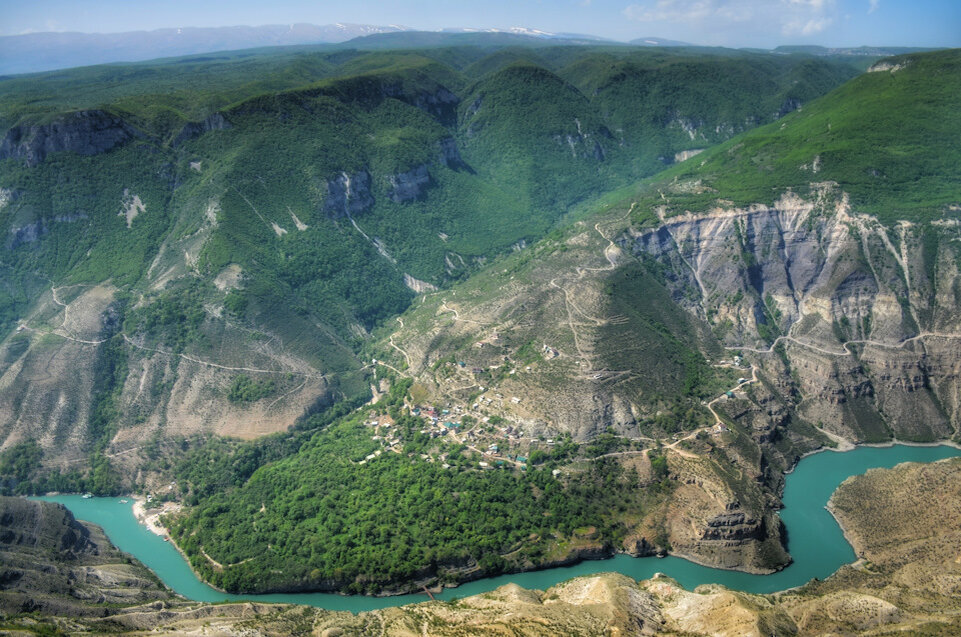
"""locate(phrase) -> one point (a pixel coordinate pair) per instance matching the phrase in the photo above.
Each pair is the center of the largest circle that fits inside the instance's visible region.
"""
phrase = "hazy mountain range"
(36, 52)
(33, 52)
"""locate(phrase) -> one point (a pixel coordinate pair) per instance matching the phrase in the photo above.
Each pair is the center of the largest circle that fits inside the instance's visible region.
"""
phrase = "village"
(495, 441)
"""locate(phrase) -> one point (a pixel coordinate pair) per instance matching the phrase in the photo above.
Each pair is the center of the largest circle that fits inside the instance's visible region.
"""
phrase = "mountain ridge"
(662, 342)
(36, 52)
(186, 237)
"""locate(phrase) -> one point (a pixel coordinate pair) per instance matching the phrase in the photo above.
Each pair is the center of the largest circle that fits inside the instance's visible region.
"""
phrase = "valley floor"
(907, 579)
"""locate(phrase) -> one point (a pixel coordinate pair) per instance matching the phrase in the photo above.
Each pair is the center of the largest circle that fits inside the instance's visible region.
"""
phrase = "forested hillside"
(205, 244)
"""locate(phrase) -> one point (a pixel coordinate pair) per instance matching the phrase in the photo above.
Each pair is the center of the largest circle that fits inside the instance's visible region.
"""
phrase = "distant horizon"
(764, 24)
(454, 30)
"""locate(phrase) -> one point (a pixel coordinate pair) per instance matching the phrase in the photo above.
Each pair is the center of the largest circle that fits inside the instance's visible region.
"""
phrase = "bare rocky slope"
(844, 329)
(861, 320)
(54, 565)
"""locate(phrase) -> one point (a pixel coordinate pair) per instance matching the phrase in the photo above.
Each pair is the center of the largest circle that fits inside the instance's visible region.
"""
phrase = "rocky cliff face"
(412, 184)
(856, 320)
(449, 155)
(37, 525)
(348, 194)
(408, 185)
(192, 130)
(31, 232)
(440, 103)
(83, 132)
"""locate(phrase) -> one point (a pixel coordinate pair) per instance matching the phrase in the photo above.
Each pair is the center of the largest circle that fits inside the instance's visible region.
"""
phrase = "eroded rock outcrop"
(584, 143)
(348, 194)
(441, 102)
(192, 130)
(31, 232)
(408, 185)
(449, 155)
(54, 564)
(88, 132)
(865, 315)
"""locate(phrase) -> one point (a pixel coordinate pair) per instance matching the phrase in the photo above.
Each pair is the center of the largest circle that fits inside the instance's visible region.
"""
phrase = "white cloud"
(671, 10)
(791, 17)
(874, 4)
(806, 27)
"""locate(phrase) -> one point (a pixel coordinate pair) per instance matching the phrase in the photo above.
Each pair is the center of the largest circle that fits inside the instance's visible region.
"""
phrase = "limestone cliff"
(348, 194)
(89, 132)
(408, 185)
(192, 130)
(856, 322)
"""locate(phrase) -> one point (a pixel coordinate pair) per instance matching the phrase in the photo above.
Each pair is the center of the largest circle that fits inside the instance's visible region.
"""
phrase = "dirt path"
(846, 345)
(252, 370)
(211, 560)
(24, 326)
(447, 308)
(710, 405)
(392, 368)
(397, 347)
(62, 330)
(570, 322)
(460, 441)
(280, 398)
(684, 452)
(617, 454)
(611, 251)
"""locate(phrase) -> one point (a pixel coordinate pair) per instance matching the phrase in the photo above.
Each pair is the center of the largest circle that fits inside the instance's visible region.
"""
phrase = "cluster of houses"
(497, 443)
(737, 361)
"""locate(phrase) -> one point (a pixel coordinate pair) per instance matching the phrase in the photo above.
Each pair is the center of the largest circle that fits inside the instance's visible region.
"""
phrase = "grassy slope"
(889, 139)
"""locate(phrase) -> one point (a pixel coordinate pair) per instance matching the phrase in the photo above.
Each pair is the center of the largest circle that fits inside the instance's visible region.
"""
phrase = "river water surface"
(815, 541)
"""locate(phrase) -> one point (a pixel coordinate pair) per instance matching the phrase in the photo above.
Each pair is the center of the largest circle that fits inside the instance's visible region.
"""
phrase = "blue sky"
(764, 23)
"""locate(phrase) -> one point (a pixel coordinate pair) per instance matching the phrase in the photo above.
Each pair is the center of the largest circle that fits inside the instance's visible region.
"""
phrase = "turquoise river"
(814, 539)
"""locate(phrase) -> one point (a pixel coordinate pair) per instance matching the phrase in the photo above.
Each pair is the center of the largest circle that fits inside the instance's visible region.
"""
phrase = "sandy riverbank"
(149, 514)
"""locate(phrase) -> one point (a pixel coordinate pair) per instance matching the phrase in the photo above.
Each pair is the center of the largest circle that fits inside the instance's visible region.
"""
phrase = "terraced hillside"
(634, 309)
(737, 336)
(205, 245)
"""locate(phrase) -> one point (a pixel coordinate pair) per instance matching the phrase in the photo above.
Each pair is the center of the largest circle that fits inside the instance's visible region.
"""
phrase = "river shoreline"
(846, 445)
(151, 520)
(844, 530)
(150, 516)
(831, 508)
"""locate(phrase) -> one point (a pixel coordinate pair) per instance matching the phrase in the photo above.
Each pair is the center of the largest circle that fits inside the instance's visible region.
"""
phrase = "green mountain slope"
(362, 519)
(889, 139)
(630, 379)
(206, 245)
